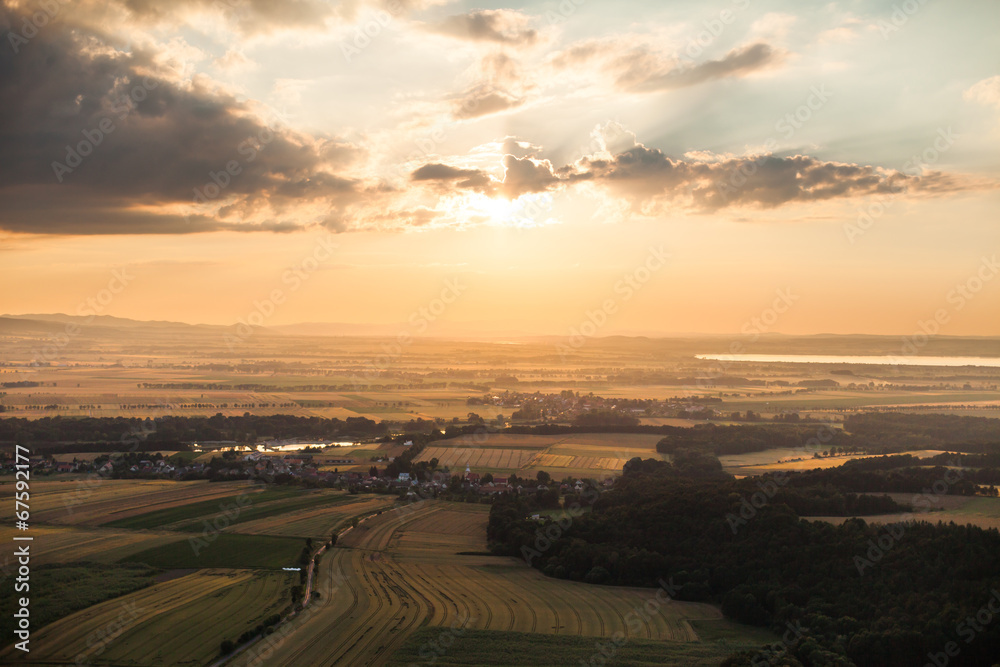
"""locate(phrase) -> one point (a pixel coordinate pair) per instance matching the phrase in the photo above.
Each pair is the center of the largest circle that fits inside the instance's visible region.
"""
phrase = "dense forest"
(123, 433)
(857, 593)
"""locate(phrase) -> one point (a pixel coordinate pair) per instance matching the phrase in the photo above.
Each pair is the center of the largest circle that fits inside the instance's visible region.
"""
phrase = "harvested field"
(317, 522)
(487, 458)
(962, 510)
(175, 516)
(94, 500)
(181, 621)
(65, 544)
(579, 453)
(403, 570)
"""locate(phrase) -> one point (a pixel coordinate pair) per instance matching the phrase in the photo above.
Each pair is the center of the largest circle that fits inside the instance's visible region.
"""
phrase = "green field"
(59, 590)
(730, 633)
(228, 550)
(256, 511)
(191, 634)
(472, 648)
(194, 510)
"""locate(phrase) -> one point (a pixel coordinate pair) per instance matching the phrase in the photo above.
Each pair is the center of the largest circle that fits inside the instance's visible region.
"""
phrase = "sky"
(728, 167)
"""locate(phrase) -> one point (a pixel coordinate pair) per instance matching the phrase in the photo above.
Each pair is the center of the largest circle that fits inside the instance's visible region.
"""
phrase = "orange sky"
(219, 159)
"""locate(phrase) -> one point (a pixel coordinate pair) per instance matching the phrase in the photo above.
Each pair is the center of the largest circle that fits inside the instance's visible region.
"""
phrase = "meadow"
(223, 550)
(472, 648)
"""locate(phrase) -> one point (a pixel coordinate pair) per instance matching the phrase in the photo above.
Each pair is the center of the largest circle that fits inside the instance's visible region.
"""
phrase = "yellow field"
(401, 571)
(757, 463)
(181, 621)
(63, 544)
(978, 511)
(583, 454)
(95, 500)
(314, 522)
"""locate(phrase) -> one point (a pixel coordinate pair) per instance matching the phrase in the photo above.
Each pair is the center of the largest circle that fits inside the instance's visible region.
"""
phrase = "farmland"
(962, 510)
(472, 648)
(174, 622)
(64, 544)
(403, 570)
(581, 454)
(222, 550)
(95, 500)
(316, 522)
(62, 589)
(800, 458)
(139, 532)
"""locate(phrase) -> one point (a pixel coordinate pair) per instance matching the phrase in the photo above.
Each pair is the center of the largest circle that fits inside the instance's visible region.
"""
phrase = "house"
(65, 467)
(404, 477)
(500, 481)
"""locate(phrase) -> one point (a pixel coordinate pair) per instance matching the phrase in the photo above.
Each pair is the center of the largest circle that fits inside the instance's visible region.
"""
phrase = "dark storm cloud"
(79, 115)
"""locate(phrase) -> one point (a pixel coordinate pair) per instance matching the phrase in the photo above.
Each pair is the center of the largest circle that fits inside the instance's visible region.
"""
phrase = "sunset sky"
(354, 157)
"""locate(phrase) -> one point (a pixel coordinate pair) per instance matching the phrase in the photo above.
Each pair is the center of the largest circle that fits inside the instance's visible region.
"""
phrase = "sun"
(526, 211)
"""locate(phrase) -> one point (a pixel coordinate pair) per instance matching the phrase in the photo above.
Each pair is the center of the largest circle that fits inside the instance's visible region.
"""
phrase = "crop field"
(180, 513)
(64, 544)
(962, 510)
(224, 550)
(60, 590)
(474, 648)
(316, 522)
(251, 507)
(404, 570)
(770, 460)
(170, 623)
(95, 501)
(584, 454)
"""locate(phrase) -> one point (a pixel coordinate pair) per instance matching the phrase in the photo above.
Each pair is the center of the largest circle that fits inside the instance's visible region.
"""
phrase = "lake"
(884, 360)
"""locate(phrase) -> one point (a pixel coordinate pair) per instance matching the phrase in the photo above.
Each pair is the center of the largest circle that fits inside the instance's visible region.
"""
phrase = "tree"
(543, 477)
(487, 478)
(226, 647)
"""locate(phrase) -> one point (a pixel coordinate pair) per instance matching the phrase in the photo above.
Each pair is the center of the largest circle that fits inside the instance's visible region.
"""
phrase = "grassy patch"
(228, 550)
(59, 590)
(183, 458)
(733, 634)
(488, 647)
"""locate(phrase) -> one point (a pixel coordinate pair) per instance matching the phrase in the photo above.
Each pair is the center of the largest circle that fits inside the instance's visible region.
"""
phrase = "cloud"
(647, 177)
(499, 86)
(521, 176)
(985, 92)
(503, 26)
(106, 131)
(641, 72)
(643, 69)
(649, 181)
(462, 178)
